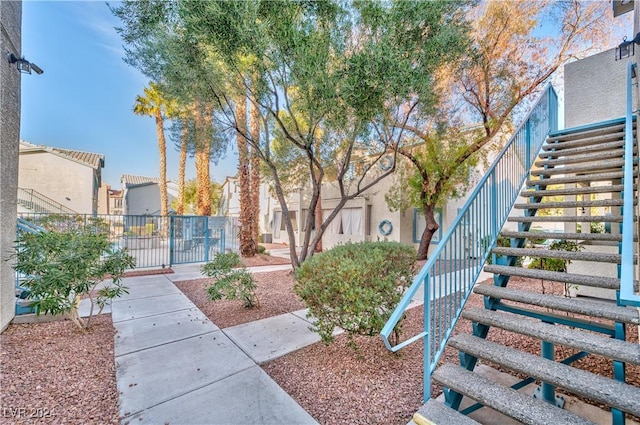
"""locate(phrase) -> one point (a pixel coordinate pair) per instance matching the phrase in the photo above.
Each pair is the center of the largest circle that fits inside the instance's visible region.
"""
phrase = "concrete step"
(507, 401)
(572, 278)
(592, 343)
(581, 159)
(587, 178)
(586, 135)
(568, 219)
(596, 309)
(558, 151)
(572, 204)
(572, 191)
(605, 237)
(436, 413)
(590, 168)
(586, 384)
(555, 253)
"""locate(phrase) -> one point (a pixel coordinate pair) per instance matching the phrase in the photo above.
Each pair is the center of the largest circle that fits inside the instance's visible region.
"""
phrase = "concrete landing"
(173, 365)
(270, 338)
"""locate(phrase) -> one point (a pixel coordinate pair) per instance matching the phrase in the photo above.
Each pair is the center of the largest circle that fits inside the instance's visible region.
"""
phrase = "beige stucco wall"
(142, 200)
(103, 200)
(10, 41)
(58, 178)
(595, 89)
(374, 200)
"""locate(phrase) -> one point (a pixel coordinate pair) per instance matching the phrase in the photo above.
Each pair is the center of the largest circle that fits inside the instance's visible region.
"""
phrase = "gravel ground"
(264, 260)
(339, 386)
(61, 376)
(275, 295)
(51, 373)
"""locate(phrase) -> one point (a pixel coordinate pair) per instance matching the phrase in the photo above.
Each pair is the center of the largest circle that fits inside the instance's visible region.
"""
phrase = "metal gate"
(196, 239)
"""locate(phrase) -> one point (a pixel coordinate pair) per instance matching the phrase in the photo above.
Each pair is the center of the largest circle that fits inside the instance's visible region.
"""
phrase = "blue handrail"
(27, 226)
(467, 244)
(627, 271)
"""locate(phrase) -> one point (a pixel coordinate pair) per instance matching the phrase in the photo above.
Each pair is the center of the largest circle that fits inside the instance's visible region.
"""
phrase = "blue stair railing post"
(627, 269)
(206, 239)
(485, 210)
(172, 239)
(427, 342)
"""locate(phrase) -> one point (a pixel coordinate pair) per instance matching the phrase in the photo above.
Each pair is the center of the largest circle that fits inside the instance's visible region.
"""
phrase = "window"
(419, 224)
(278, 223)
(294, 221)
(347, 222)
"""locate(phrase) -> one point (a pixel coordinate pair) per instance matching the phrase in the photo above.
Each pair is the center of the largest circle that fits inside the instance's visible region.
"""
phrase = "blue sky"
(84, 98)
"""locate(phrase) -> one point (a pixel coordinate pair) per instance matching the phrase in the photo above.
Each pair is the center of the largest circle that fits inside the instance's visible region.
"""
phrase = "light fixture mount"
(23, 65)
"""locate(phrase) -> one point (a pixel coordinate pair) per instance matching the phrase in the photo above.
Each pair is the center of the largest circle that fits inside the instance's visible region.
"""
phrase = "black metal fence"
(154, 241)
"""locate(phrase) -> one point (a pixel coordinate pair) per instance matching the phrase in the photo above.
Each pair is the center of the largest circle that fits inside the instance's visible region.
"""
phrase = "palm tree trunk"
(162, 149)
(202, 163)
(182, 165)
(255, 171)
(247, 243)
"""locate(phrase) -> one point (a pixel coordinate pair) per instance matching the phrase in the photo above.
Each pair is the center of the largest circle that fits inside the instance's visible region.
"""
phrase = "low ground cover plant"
(355, 286)
(62, 267)
(231, 281)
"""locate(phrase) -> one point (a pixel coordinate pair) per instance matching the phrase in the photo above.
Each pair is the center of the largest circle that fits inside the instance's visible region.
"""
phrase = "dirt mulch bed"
(275, 295)
(52, 373)
(339, 386)
(264, 260)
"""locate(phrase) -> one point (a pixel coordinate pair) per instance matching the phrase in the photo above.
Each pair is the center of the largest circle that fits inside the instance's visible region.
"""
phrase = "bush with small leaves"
(355, 286)
(556, 264)
(230, 281)
(62, 267)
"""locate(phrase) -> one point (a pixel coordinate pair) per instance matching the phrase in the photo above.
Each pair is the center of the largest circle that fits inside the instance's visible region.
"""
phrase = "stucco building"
(68, 178)
(10, 41)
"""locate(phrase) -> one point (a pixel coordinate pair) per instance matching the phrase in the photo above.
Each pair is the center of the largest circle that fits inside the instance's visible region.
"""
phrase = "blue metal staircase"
(598, 159)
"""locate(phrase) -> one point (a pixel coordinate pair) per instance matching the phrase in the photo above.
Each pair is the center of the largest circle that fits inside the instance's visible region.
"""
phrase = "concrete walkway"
(174, 366)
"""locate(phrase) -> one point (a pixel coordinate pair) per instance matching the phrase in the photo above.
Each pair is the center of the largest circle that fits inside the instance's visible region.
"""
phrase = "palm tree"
(203, 116)
(256, 118)
(185, 115)
(155, 104)
(248, 245)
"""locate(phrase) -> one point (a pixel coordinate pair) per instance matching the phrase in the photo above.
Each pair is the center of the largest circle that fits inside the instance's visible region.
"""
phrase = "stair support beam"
(546, 391)
(527, 381)
(619, 374)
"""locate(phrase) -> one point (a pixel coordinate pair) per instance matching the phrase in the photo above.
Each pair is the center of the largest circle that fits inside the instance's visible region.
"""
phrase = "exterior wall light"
(627, 47)
(23, 65)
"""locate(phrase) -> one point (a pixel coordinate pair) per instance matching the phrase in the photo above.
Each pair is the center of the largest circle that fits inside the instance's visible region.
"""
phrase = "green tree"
(190, 205)
(319, 82)
(63, 267)
(327, 75)
(155, 104)
(507, 63)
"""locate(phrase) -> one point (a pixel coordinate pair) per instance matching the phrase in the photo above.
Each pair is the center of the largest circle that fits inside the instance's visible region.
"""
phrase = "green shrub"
(355, 286)
(262, 250)
(556, 264)
(231, 282)
(62, 267)
(597, 227)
